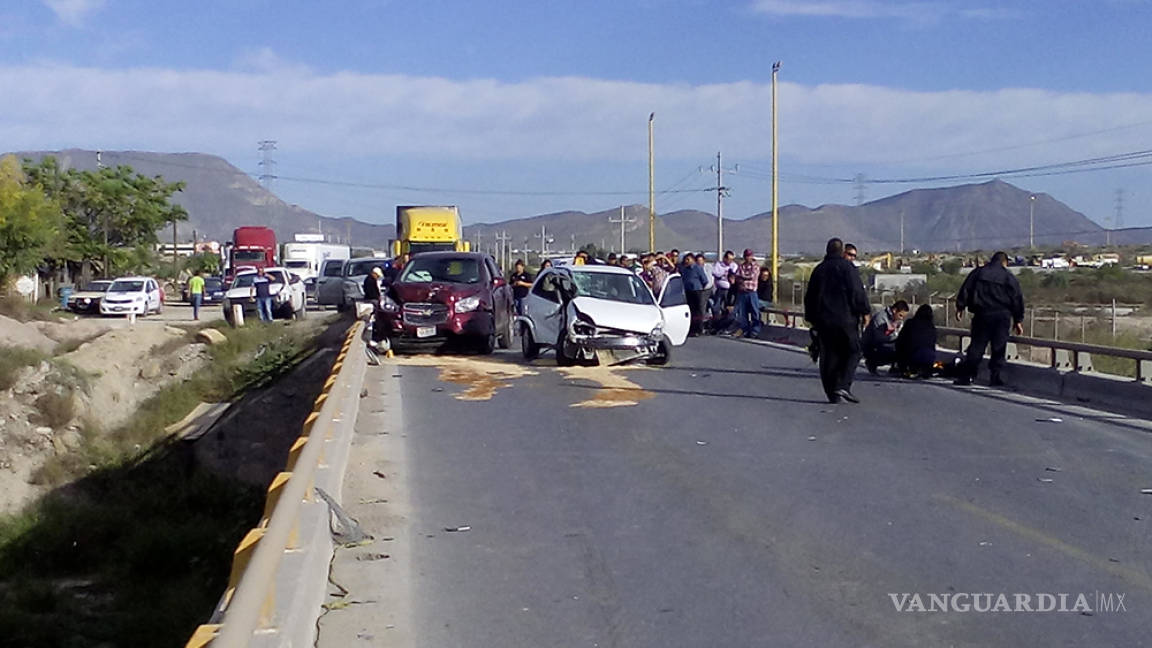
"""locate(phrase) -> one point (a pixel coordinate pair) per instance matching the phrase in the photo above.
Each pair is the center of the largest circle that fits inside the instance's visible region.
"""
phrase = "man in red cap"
(747, 304)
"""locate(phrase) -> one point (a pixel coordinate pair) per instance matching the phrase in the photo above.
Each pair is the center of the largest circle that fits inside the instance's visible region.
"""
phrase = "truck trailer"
(428, 228)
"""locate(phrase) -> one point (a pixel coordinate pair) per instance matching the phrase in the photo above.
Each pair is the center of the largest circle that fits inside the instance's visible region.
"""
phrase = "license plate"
(118, 309)
(425, 331)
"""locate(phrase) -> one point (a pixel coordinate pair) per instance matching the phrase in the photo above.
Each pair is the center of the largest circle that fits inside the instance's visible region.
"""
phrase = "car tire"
(663, 355)
(508, 334)
(562, 359)
(528, 345)
(487, 343)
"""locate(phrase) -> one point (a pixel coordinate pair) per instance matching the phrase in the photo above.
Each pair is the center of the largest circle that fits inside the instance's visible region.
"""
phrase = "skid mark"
(615, 389)
(481, 378)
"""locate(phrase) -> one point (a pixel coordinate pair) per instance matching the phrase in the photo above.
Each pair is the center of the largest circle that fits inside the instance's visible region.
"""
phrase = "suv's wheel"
(528, 344)
(488, 342)
(663, 353)
(562, 357)
(508, 333)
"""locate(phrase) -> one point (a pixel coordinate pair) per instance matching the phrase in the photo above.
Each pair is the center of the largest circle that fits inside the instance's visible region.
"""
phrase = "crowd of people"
(726, 297)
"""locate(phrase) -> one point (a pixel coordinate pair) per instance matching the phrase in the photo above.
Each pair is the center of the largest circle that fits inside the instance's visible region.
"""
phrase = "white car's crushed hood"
(637, 318)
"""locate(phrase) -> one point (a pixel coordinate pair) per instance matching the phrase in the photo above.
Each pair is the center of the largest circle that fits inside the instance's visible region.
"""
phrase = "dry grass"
(54, 409)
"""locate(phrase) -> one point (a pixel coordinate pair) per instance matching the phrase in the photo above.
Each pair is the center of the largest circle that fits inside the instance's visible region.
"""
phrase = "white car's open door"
(677, 318)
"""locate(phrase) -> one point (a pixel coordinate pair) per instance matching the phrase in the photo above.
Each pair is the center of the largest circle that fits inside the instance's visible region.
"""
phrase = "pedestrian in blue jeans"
(747, 304)
(261, 290)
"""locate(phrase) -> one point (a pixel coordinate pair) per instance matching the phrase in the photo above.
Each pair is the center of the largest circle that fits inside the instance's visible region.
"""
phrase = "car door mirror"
(499, 282)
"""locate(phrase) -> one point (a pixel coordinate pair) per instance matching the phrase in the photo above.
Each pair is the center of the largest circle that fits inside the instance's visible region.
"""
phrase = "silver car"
(341, 283)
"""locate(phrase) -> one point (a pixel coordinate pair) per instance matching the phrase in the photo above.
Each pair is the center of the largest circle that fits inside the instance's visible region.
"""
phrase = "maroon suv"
(446, 296)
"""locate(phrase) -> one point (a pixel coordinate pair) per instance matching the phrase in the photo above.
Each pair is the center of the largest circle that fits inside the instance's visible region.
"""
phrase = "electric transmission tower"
(1118, 220)
(861, 188)
(267, 164)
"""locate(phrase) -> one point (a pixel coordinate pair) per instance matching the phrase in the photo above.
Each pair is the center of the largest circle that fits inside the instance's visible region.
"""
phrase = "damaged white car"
(592, 313)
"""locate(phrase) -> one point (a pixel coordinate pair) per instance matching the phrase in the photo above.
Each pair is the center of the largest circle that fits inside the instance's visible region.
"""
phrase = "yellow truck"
(428, 228)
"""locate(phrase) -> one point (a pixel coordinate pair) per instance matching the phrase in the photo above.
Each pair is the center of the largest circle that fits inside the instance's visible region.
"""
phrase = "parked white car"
(287, 290)
(139, 295)
(579, 310)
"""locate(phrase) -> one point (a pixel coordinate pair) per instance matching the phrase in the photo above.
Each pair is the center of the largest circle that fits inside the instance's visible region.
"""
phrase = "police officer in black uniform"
(835, 305)
(993, 296)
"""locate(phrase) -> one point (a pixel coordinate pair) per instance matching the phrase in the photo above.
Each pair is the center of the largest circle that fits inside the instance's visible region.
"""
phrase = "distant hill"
(975, 216)
(220, 197)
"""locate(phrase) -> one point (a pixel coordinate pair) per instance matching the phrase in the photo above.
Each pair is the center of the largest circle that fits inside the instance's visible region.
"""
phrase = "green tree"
(109, 211)
(30, 223)
(205, 262)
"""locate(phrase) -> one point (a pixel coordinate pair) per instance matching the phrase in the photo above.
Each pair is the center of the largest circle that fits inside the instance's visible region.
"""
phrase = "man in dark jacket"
(835, 304)
(993, 296)
(916, 344)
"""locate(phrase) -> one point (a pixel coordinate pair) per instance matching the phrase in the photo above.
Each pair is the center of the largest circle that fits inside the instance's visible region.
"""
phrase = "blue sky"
(549, 98)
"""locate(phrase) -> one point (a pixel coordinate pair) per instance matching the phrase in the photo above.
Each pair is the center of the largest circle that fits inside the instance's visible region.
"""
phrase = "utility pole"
(623, 223)
(502, 243)
(651, 188)
(267, 164)
(721, 192)
(543, 240)
(1032, 222)
(775, 194)
(107, 218)
(902, 231)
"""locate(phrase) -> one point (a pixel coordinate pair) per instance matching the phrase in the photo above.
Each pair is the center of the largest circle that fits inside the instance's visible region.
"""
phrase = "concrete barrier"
(280, 569)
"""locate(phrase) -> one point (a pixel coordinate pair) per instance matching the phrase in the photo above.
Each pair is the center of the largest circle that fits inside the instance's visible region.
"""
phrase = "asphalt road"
(723, 502)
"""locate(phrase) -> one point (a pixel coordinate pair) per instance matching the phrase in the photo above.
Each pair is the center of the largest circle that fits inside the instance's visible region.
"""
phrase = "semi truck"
(428, 228)
(251, 247)
(304, 258)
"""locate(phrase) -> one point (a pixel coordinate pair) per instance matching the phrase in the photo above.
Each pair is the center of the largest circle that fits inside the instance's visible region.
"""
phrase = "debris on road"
(1045, 480)
(1050, 419)
(1146, 491)
(1052, 469)
(459, 529)
(701, 443)
(985, 543)
(811, 438)
(372, 557)
(379, 474)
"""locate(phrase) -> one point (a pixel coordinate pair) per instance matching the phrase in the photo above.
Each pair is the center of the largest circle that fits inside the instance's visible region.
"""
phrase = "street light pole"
(651, 188)
(1031, 221)
(775, 195)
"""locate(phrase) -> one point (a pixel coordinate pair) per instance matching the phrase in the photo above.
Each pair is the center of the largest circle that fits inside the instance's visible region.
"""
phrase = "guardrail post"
(1084, 361)
(1144, 371)
(1013, 352)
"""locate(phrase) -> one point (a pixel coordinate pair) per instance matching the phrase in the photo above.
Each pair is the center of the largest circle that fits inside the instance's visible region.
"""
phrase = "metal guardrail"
(249, 599)
(1076, 352)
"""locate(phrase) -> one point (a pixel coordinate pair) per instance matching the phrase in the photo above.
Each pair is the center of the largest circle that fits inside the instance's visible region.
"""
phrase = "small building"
(897, 282)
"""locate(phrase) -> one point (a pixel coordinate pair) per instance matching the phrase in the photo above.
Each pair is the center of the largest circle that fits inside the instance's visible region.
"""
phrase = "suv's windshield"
(97, 286)
(449, 269)
(126, 286)
(213, 284)
(627, 288)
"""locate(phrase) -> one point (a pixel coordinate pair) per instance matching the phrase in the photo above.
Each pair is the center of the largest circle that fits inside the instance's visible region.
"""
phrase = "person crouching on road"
(695, 292)
(834, 304)
(262, 293)
(916, 344)
(993, 295)
(747, 303)
(879, 339)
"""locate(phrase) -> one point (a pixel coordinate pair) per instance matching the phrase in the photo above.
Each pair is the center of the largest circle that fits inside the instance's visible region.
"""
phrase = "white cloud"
(559, 118)
(73, 12)
(908, 10)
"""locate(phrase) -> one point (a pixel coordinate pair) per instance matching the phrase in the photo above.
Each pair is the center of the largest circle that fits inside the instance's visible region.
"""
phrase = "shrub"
(55, 409)
(12, 360)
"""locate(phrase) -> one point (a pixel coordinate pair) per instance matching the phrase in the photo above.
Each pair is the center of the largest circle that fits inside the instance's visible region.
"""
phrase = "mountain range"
(220, 197)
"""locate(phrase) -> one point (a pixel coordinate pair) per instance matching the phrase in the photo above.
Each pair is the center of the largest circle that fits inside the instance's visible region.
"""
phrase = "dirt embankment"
(95, 387)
